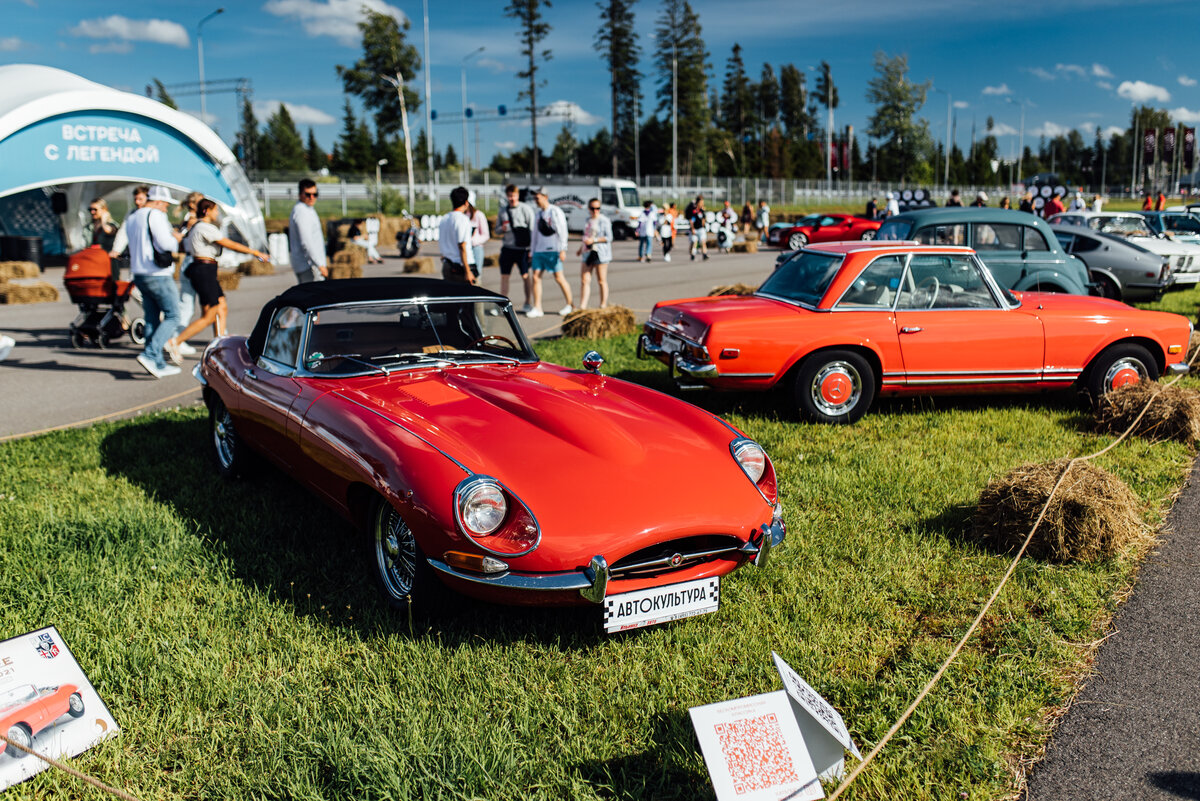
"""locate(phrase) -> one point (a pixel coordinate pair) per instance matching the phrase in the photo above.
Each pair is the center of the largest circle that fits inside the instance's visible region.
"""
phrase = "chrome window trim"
(903, 267)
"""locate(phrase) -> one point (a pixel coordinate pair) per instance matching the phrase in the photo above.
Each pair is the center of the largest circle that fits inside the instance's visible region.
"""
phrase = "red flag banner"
(1150, 147)
(1189, 148)
(1168, 145)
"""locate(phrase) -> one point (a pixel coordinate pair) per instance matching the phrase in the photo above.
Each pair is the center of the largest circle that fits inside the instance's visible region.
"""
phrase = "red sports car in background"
(417, 409)
(26, 710)
(825, 228)
(839, 324)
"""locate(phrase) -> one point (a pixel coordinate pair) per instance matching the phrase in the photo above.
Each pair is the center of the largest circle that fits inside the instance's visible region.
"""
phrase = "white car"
(1184, 256)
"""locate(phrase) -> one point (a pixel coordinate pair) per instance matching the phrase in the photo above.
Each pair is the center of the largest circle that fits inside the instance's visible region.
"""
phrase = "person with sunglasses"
(104, 229)
(596, 251)
(305, 241)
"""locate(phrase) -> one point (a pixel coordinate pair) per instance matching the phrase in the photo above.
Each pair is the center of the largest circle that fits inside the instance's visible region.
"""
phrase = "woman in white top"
(596, 251)
(479, 232)
(205, 244)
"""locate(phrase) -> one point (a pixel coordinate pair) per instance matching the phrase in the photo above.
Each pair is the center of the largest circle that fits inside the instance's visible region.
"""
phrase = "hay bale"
(1193, 346)
(352, 255)
(1094, 515)
(18, 269)
(28, 290)
(1175, 413)
(421, 264)
(731, 289)
(749, 246)
(256, 267)
(345, 269)
(599, 323)
(229, 279)
(491, 261)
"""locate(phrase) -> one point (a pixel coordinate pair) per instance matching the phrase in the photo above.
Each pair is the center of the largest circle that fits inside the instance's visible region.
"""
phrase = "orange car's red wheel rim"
(836, 388)
(1124, 371)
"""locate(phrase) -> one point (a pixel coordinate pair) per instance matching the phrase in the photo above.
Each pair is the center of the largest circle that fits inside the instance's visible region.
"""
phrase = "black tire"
(228, 448)
(867, 236)
(75, 705)
(78, 340)
(19, 733)
(1119, 365)
(796, 241)
(137, 331)
(102, 341)
(834, 386)
(395, 560)
(1106, 287)
(620, 231)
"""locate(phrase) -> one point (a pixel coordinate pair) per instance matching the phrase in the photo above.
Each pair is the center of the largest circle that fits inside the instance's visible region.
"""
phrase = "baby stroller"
(93, 284)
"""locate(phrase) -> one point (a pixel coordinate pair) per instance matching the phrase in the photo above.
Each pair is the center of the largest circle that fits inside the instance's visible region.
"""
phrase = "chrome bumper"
(199, 376)
(592, 582)
(676, 363)
(1181, 368)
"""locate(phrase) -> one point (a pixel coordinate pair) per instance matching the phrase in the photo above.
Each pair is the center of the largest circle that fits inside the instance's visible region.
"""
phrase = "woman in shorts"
(596, 251)
(205, 243)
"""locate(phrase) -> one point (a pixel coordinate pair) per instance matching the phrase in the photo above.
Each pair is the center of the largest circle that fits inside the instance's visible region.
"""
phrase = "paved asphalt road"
(46, 383)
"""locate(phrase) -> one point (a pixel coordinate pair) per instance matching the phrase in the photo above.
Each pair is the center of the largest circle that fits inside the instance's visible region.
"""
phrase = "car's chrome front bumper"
(592, 581)
(1180, 368)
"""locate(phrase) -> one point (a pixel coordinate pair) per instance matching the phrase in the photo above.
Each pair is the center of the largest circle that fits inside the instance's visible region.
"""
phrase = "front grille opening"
(656, 559)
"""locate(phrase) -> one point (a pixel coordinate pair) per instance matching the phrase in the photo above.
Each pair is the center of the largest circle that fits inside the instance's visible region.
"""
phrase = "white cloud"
(10, 44)
(1112, 130)
(301, 114)
(1185, 115)
(1045, 75)
(1004, 129)
(1141, 92)
(160, 31)
(1070, 69)
(1002, 89)
(1186, 81)
(1101, 71)
(1104, 84)
(494, 66)
(961, 104)
(1050, 130)
(566, 110)
(111, 47)
(510, 145)
(336, 18)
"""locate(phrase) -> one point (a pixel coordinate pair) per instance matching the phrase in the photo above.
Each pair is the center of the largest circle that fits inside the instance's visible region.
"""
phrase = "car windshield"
(1124, 225)
(804, 277)
(17, 696)
(894, 229)
(382, 337)
(1185, 223)
(629, 197)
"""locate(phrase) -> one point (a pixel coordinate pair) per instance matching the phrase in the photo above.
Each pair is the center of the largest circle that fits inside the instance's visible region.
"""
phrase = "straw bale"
(353, 256)
(1174, 414)
(276, 225)
(28, 290)
(256, 267)
(732, 289)
(749, 246)
(1193, 346)
(229, 279)
(18, 269)
(599, 323)
(345, 269)
(421, 264)
(1093, 516)
(491, 261)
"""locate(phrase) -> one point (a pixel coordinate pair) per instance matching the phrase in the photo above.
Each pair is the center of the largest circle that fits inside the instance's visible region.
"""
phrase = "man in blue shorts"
(516, 223)
(549, 251)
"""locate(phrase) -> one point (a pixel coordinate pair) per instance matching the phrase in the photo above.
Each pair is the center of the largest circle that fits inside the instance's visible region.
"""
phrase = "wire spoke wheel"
(394, 554)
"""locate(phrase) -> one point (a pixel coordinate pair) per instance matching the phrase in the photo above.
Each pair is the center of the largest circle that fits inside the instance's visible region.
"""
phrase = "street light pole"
(428, 110)
(946, 174)
(674, 124)
(466, 58)
(379, 185)
(200, 58)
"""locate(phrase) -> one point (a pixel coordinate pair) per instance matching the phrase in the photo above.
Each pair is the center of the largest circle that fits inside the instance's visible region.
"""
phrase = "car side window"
(943, 235)
(283, 338)
(945, 282)
(1065, 241)
(875, 287)
(1034, 239)
(996, 236)
(1083, 244)
(608, 196)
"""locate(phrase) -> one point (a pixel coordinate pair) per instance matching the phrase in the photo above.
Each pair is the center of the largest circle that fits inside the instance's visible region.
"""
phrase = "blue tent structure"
(61, 134)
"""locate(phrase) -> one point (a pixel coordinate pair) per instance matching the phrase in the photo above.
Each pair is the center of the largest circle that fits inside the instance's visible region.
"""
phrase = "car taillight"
(757, 466)
(495, 519)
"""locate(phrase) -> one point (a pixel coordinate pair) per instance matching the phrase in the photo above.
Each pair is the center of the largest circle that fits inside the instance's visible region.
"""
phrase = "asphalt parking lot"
(46, 383)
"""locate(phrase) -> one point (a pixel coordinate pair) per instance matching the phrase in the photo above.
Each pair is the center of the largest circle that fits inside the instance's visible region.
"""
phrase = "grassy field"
(236, 638)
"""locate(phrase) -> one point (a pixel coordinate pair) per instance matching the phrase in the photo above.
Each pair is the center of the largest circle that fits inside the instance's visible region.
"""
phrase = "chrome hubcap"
(1124, 371)
(395, 553)
(76, 703)
(17, 735)
(836, 388)
(223, 437)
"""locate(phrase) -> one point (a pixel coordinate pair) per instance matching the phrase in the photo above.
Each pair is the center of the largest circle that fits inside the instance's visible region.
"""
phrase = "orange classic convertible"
(839, 324)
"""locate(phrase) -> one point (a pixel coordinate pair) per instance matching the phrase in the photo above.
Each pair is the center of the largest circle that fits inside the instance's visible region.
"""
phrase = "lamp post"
(200, 57)
(1021, 140)
(946, 174)
(428, 110)
(466, 58)
(379, 185)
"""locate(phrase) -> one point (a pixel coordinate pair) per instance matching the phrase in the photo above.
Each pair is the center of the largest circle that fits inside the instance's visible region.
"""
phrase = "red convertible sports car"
(26, 710)
(839, 324)
(824, 228)
(417, 409)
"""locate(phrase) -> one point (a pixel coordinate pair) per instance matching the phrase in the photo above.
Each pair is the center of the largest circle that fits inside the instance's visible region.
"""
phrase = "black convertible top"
(357, 290)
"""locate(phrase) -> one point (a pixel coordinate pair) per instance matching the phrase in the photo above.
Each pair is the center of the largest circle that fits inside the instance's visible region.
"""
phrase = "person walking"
(187, 293)
(1052, 206)
(152, 245)
(666, 231)
(980, 200)
(893, 205)
(480, 233)
(698, 229)
(872, 210)
(763, 221)
(515, 221)
(104, 228)
(727, 218)
(1160, 203)
(205, 244)
(305, 241)
(454, 240)
(549, 251)
(1026, 204)
(121, 240)
(1078, 203)
(1147, 202)
(955, 199)
(596, 251)
(647, 230)
(748, 218)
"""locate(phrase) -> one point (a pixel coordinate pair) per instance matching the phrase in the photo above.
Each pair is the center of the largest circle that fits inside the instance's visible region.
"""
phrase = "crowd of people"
(1051, 206)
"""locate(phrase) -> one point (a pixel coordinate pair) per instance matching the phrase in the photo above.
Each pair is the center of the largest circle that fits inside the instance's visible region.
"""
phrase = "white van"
(619, 202)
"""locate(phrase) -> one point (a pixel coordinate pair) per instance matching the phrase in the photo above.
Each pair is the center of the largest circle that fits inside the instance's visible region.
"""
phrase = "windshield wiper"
(468, 352)
(357, 358)
(401, 358)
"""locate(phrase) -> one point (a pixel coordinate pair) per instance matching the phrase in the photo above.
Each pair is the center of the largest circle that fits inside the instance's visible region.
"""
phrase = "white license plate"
(1187, 278)
(670, 344)
(633, 610)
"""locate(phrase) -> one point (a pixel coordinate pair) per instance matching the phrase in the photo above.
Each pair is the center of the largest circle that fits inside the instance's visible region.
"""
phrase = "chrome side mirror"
(592, 361)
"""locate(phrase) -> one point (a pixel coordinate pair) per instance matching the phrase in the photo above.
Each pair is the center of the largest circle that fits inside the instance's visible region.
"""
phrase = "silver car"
(1132, 226)
(1119, 268)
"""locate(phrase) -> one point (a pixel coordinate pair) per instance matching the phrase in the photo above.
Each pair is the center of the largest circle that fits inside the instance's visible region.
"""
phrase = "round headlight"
(482, 508)
(752, 458)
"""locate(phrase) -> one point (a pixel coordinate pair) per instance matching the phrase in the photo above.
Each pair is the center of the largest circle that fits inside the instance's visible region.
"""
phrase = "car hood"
(589, 455)
(1166, 247)
(693, 317)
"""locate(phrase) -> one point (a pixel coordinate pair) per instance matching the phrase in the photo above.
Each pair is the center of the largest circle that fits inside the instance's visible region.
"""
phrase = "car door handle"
(910, 329)
(250, 374)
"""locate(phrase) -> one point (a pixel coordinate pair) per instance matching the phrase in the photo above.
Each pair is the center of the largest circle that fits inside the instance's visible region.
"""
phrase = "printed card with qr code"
(816, 706)
(754, 750)
(47, 705)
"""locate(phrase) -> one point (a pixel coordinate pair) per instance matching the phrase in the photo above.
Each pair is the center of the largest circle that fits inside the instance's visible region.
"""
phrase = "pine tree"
(737, 106)
(906, 143)
(247, 137)
(564, 158)
(793, 101)
(679, 36)
(451, 159)
(616, 38)
(354, 148)
(385, 53)
(164, 97)
(280, 146)
(316, 157)
(533, 30)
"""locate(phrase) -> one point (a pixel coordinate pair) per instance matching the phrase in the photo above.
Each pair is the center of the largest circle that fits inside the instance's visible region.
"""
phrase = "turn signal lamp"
(474, 562)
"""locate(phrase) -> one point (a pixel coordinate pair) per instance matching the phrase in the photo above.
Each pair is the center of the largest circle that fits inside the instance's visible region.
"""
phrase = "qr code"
(755, 753)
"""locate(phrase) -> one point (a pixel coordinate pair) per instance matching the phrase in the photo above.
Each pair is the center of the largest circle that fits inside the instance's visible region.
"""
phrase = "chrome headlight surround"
(489, 514)
(754, 462)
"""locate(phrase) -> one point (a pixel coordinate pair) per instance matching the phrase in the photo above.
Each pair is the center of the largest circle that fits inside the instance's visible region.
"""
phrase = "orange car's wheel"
(75, 705)
(395, 559)
(1117, 366)
(21, 735)
(835, 386)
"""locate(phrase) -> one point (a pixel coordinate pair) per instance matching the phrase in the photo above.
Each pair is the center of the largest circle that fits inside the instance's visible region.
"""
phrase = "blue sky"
(1069, 65)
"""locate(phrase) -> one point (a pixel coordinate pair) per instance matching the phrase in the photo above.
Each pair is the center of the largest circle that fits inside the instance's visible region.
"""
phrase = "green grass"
(237, 640)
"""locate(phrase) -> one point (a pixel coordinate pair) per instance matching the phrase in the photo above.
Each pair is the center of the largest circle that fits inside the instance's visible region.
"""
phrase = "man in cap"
(980, 200)
(549, 251)
(305, 241)
(152, 244)
(454, 240)
(893, 205)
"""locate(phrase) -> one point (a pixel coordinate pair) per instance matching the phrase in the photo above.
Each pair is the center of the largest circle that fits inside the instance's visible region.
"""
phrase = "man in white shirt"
(549, 248)
(454, 240)
(305, 241)
(152, 244)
